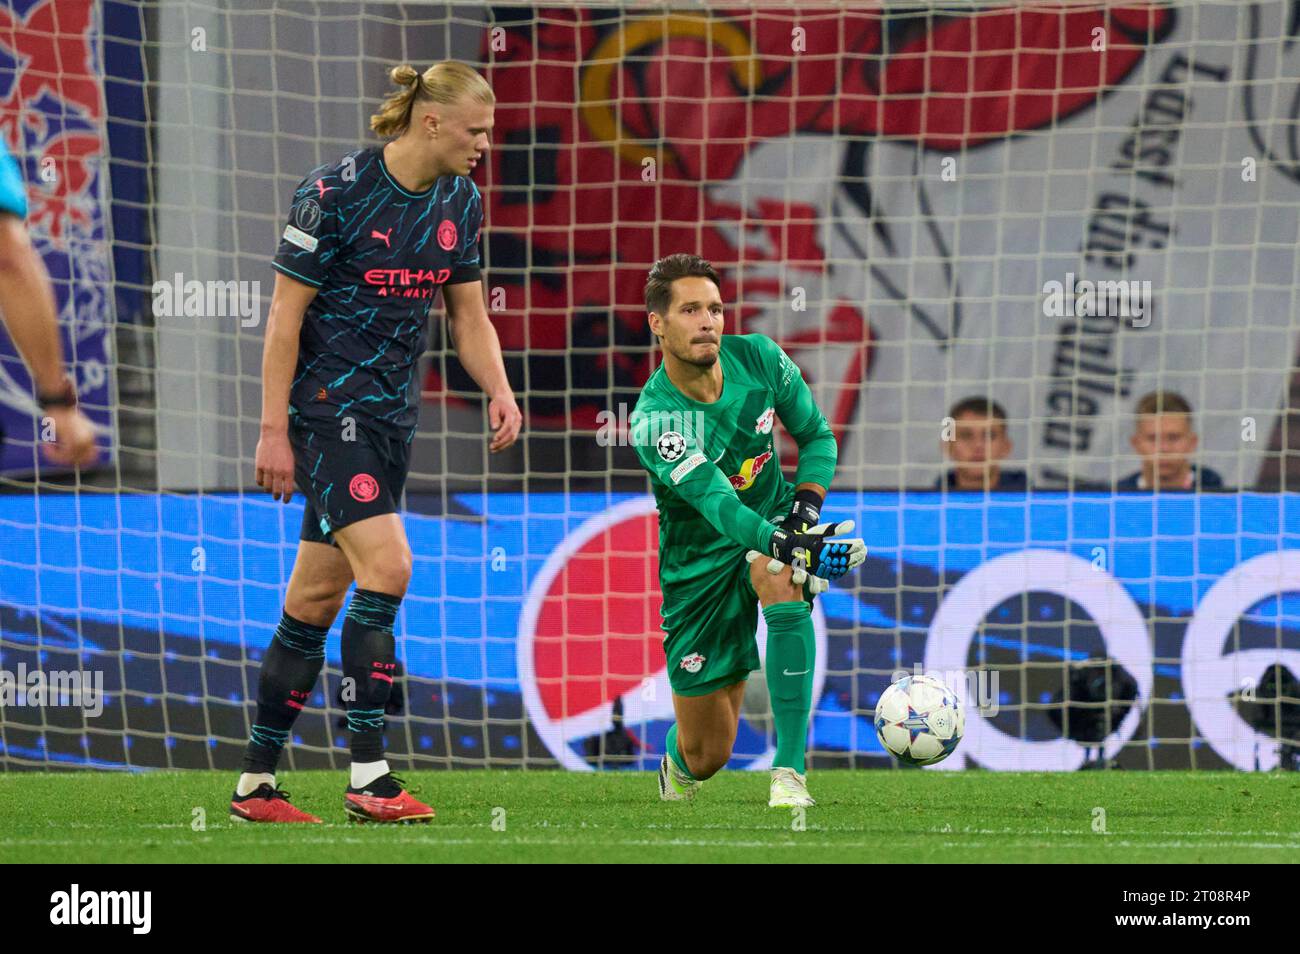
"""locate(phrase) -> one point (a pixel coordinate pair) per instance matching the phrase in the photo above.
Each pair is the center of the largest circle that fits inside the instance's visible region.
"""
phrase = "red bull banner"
(912, 202)
(52, 121)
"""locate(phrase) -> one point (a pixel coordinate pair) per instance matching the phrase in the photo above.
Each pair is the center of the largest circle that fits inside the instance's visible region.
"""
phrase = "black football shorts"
(345, 481)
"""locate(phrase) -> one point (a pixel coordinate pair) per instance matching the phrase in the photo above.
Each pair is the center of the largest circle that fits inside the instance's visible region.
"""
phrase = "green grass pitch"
(898, 816)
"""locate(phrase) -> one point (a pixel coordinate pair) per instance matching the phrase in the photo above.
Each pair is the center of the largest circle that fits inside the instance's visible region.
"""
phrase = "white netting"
(891, 195)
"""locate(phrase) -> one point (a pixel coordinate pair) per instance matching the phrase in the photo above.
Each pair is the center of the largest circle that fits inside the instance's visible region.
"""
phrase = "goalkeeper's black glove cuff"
(805, 512)
(790, 546)
(780, 541)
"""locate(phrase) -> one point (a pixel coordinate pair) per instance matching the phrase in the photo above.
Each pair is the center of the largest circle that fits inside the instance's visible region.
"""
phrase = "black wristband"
(64, 397)
(808, 505)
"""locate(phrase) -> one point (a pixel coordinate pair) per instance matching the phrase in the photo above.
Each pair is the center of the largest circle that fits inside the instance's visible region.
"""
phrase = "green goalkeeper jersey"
(713, 466)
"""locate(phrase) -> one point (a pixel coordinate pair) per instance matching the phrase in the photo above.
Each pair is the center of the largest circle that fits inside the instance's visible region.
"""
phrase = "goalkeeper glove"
(813, 552)
(804, 514)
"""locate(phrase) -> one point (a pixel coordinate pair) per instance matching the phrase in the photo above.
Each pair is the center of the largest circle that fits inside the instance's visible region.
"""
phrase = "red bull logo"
(590, 635)
(749, 471)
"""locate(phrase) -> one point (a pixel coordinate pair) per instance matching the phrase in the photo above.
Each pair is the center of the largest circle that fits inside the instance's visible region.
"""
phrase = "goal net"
(1058, 208)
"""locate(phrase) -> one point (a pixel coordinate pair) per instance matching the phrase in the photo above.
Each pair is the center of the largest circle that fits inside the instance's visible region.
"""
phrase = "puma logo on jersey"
(749, 471)
(375, 233)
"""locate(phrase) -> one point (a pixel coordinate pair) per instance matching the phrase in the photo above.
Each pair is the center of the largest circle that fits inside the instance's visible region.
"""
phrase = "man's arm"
(818, 454)
(28, 302)
(702, 485)
(274, 459)
(683, 465)
(717, 502)
(27, 307)
(479, 350)
(798, 411)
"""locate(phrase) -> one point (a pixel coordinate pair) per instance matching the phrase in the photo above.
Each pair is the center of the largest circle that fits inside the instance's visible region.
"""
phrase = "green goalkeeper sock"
(791, 649)
(670, 745)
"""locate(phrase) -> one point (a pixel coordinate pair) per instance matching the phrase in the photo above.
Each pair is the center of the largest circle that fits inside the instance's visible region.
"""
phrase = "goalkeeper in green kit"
(733, 533)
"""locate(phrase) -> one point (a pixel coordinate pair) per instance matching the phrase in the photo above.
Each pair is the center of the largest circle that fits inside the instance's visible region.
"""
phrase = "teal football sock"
(670, 745)
(791, 651)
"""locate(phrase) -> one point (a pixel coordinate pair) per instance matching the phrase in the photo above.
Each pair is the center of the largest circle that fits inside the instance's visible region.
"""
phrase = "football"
(919, 720)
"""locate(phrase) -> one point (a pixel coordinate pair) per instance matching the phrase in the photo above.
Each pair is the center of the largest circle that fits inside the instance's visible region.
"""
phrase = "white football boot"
(789, 790)
(674, 786)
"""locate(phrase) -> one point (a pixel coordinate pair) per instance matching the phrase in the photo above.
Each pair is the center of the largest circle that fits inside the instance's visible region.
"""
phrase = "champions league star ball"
(919, 720)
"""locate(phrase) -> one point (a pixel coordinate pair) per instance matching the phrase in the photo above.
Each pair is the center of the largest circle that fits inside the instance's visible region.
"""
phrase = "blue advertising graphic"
(530, 630)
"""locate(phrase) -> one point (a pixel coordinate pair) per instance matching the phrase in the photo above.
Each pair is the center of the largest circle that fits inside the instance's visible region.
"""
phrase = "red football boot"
(267, 804)
(384, 800)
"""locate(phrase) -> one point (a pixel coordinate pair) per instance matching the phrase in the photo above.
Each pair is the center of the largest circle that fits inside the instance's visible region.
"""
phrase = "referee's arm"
(274, 460)
(28, 310)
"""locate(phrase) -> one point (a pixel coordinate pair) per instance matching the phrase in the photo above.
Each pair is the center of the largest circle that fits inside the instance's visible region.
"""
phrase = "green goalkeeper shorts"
(715, 646)
(712, 645)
